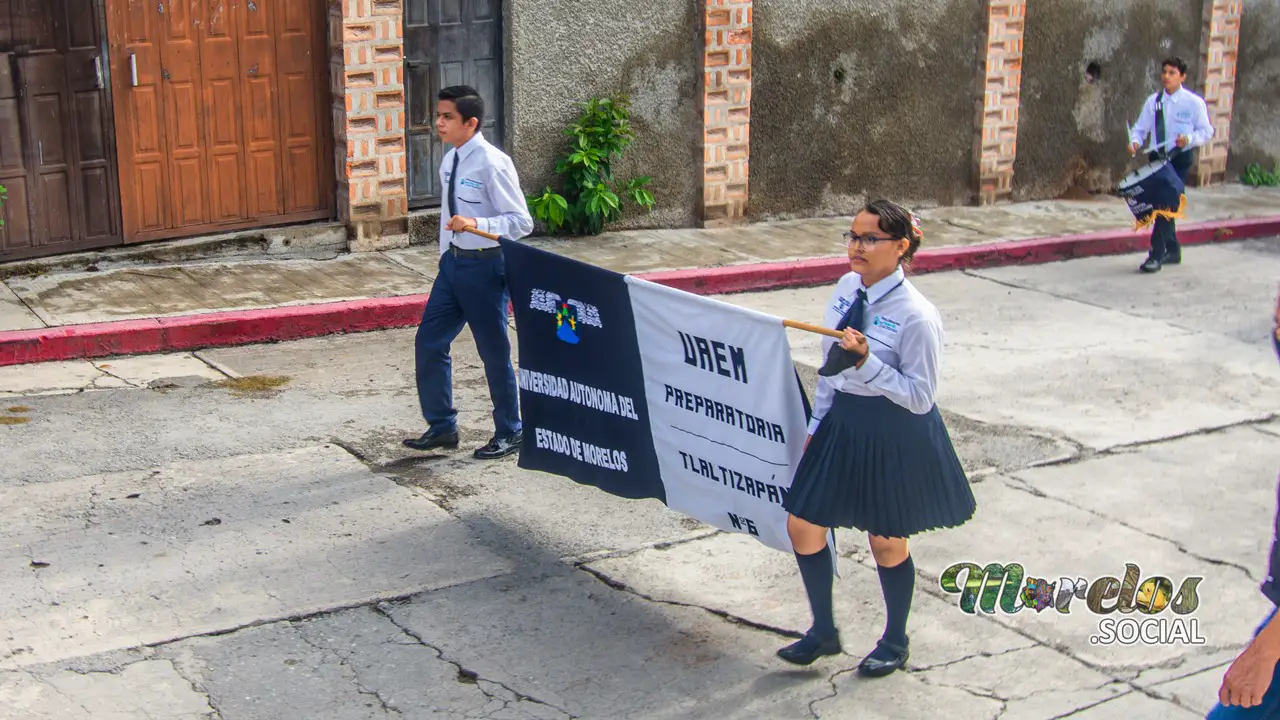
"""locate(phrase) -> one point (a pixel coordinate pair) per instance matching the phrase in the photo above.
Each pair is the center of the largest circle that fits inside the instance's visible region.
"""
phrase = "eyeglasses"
(868, 240)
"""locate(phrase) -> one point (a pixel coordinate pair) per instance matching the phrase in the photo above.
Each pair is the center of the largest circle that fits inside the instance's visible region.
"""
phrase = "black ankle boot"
(810, 647)
(884, 660)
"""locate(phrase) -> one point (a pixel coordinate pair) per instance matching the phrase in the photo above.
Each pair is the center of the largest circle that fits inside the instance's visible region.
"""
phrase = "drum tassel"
(1167, 215)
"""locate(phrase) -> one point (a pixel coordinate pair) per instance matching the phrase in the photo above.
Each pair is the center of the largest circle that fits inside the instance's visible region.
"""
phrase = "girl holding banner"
(879, 458)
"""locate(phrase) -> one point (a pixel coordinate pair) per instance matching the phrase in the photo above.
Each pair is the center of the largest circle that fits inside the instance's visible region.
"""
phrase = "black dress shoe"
(1172, 258)
(809, 648)
(430, 441)
(884, 660)
(499, 448)
(1150, 266)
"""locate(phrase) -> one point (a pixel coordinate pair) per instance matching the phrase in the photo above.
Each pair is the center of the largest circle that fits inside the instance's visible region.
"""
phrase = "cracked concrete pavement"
(175, 548)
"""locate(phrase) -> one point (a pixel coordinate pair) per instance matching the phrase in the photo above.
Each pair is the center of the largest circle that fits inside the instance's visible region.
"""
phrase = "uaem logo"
(1131, 609)
(570, 314)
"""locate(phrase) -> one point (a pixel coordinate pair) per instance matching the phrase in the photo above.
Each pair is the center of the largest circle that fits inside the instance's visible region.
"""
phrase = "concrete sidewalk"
(130, 301)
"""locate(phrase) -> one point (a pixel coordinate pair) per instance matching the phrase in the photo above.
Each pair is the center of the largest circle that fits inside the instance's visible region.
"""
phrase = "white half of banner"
(725, 408)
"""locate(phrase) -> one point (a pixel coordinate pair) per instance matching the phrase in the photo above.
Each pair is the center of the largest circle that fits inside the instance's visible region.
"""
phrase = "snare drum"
(1153, 190)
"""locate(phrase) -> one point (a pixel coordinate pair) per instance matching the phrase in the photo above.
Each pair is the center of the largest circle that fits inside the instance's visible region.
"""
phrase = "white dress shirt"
(487, 190)
(1185, 113)
(904, 335)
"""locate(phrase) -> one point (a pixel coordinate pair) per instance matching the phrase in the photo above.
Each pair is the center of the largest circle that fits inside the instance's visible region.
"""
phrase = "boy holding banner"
(1178, 118)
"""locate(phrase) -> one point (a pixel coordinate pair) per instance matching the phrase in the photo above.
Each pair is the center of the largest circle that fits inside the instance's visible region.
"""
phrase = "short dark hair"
(1176, 63)
(898, 222)
(468, 101)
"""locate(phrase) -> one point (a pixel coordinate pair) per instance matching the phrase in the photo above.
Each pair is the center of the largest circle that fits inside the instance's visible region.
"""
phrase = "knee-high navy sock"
(818, 577)
(898, 584)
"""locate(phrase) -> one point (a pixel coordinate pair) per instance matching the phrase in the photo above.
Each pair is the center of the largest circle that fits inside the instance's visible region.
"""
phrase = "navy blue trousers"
(1164, 235)
(470, 291)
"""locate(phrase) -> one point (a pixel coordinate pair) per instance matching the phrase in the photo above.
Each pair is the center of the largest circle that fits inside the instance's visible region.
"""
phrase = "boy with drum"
(1178, 118)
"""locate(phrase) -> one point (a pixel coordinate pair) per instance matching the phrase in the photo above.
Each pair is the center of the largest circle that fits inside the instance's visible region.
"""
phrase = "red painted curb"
(295, 322)
(1035, 251)
(205, 330)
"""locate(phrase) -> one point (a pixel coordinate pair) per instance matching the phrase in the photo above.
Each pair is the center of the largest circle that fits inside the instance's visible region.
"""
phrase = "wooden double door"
(222, 113)
(56, 145)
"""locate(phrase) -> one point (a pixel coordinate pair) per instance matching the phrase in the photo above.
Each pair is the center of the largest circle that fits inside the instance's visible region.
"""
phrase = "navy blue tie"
(1160, 133)
(453, 179)
(855, 316)
(839, 359)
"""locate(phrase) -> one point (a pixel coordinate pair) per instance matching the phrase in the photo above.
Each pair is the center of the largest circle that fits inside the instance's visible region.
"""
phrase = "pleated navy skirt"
(875, 466)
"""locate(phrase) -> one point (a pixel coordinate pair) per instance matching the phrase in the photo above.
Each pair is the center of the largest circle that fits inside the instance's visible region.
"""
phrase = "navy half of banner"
(644, 391)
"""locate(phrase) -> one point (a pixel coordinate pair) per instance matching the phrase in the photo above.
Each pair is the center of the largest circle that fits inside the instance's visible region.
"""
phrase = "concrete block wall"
(1001, 81)
(366, 42)
(726, 111)
(1220, 46)
(813, 135)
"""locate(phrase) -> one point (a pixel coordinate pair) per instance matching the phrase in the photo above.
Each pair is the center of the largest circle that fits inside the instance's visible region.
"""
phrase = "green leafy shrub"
(1259, 176)
(589, 196)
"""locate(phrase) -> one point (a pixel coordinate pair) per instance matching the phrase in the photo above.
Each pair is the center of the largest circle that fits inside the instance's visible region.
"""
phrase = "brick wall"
(366, 40)
(726, 111)
(1001, 81)
(1219, 45)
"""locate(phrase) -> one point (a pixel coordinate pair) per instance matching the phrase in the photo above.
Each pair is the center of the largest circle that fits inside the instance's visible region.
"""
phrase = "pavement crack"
(976, 692)
(351, 450)
(59, 691)
(110, 374)
(216, 367)
(1021, 485)
(1214, 430)
(197, 687)
(1137, 680)
(231, 630)
(723, 615)
(467, 675)
(406, 266)
(977, 274)
(957, 225)
(345, 661)
(598, 555)
(30, 308)
(975, 656)
(835, 691)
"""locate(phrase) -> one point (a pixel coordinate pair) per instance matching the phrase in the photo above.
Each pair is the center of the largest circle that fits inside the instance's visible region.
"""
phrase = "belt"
(464, 252)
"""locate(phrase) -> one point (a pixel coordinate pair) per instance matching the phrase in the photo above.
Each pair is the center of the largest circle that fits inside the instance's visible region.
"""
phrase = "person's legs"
(1172, 251)
(441, 323)
(897, 583)
(484, 303)
(813, 556)
(1161, 232)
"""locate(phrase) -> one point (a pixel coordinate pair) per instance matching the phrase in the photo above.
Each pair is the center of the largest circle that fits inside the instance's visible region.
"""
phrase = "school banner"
(648, 392)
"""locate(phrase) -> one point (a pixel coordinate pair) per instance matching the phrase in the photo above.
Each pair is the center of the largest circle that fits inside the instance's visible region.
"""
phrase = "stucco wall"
(1255, 124)
(1072, 131)
(562, 53)
(853, 98)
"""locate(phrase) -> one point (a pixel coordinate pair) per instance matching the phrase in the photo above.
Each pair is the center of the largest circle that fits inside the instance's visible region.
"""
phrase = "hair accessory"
(915, 223)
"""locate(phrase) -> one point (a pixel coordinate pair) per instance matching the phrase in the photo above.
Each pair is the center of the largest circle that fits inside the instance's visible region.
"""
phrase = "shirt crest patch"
(881, 321)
